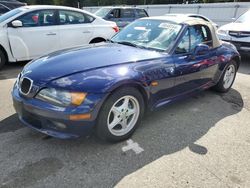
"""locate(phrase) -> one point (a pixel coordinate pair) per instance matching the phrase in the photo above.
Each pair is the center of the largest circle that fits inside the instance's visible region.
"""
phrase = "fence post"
(236, 10)
(198, 9)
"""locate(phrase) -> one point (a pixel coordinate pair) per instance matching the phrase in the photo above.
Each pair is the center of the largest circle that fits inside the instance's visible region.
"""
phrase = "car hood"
(75, 60)
(236, 27)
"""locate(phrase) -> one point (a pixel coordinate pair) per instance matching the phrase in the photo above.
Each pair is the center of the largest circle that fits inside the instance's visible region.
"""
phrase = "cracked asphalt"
(203, 141)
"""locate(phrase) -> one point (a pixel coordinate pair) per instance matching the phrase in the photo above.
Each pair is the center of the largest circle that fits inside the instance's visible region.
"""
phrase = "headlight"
(17, 80)
(222, 32)
(62, 98)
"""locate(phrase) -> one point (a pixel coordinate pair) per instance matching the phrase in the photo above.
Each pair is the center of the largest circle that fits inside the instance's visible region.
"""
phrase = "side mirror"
(233, 19)
(17, 23)
(201, 49)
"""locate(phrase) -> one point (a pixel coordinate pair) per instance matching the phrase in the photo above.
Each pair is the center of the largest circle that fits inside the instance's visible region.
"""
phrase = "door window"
(127, 13)
(141, 13)
(115, 13)
(72, 17)
(3, 9)
(184, 45)
(198, 34)
(39, 18)
(207, 36)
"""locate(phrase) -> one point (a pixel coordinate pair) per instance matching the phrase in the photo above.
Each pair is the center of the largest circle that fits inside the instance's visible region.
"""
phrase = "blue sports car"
(107, 87)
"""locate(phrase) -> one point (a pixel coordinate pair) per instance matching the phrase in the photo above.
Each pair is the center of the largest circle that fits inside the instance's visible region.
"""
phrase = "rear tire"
(120, 115)
(3, 59)
(227, 79)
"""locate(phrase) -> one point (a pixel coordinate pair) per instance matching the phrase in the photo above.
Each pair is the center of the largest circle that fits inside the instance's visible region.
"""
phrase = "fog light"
(59, 125)
(79, 117)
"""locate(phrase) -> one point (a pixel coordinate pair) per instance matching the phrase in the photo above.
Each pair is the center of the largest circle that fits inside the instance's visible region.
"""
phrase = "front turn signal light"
(77, 117)
(77, 98)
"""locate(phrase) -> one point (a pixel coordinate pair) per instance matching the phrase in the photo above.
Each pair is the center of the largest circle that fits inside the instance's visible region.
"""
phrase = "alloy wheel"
(229, 76)
(123, 115)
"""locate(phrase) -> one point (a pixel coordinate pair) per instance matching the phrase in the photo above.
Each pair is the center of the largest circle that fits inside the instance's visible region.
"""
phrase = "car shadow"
(245, 65)
(88, 162)
(10, 124)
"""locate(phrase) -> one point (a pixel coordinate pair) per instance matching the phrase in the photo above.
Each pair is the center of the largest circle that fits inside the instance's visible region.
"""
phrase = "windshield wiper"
(132, 44)
(124, 43)
(109, 40)
(128, 43)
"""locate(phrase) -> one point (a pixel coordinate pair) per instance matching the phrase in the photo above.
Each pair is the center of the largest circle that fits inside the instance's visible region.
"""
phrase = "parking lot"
(202, 141)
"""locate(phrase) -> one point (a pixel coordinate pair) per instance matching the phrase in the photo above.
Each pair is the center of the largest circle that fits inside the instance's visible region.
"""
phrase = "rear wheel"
(228, 77)
(3, 59)
(120, 115)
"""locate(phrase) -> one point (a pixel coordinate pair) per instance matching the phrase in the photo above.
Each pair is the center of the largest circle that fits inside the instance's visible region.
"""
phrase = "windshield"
(102, 12)
(9, 14)
(151, 34)
(244, 18)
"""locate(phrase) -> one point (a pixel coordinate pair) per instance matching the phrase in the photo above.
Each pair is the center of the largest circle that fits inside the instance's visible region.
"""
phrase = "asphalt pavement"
(203, 141)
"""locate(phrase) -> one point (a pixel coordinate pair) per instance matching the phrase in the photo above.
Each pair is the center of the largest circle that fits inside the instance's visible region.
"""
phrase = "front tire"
(227, 79)
(3, 59)
(120, 115)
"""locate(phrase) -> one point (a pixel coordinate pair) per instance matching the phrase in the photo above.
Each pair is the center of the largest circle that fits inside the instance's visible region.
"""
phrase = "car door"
(127, 16)
(75, 28)
(194, 71)
(122, 17)
(37, 36)
(114, 16)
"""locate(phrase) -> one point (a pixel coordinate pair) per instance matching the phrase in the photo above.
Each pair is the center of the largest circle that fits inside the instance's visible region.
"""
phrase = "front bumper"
(242, 44)
(54, 121)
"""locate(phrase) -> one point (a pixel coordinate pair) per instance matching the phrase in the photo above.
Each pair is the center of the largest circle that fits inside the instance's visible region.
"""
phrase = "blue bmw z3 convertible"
(107, 87)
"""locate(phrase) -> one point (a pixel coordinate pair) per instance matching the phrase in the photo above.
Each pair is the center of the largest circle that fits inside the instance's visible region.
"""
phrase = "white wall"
(220, 13)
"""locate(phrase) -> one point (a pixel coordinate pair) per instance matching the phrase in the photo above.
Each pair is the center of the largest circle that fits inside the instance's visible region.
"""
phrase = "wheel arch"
(98, 39)
(137, 86)
(5, 52)
(237, 59)
(123, 84)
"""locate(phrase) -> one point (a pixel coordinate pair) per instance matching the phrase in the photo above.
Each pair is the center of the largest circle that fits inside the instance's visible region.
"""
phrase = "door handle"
(50, 34)
(86, 32)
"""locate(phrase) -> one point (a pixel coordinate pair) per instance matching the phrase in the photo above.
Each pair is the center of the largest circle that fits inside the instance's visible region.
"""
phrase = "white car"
(32, 31)
(196, 16)
(237, 32)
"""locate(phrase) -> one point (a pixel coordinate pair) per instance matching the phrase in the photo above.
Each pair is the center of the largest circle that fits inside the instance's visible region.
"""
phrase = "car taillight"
(116, 29)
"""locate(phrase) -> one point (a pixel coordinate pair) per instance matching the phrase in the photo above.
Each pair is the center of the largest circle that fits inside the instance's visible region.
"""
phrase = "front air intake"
(25, 86)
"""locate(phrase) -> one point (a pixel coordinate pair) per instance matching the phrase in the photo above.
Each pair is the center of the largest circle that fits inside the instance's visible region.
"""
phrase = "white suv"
(237, 32)
(32, 31)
